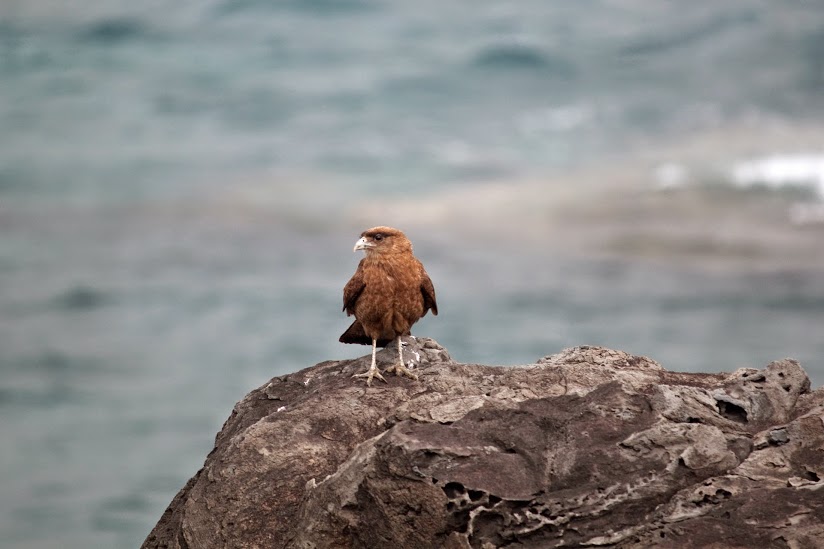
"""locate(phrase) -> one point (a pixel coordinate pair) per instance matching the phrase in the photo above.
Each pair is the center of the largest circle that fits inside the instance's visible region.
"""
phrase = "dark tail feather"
(356, 334)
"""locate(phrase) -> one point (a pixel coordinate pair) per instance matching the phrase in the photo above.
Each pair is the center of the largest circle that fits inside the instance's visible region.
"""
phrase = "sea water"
(181, 185)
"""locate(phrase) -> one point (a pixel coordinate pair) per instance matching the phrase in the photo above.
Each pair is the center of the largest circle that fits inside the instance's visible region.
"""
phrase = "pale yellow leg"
(400, 369)
(373, 371)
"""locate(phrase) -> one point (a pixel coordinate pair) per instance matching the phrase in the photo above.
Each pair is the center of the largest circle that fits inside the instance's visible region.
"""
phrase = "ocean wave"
(114, 30)
(697, 32)
(522, 57)
(781, 171)
(314, 7)
(80, 298)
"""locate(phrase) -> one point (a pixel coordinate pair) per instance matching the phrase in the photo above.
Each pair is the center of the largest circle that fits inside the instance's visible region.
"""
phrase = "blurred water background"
(181, 184)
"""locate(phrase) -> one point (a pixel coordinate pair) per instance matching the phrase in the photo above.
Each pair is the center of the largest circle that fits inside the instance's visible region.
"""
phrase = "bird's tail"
(356, 334)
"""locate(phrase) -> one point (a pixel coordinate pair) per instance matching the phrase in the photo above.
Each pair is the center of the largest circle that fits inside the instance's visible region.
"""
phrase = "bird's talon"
(401, 370)
(369, 375)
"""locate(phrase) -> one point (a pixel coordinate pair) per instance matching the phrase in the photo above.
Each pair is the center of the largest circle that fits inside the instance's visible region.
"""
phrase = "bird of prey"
(389, 292)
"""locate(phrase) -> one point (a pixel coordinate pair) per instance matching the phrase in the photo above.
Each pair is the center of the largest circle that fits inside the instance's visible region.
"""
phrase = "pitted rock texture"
(590, 447)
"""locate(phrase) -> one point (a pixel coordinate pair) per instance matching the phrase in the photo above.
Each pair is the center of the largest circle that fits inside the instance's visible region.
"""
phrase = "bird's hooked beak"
(363, 244)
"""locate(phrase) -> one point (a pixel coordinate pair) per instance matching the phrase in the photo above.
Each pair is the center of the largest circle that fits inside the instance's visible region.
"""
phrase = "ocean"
(181, 185)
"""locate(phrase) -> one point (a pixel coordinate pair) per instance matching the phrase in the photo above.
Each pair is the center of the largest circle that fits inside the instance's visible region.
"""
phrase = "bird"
(389, 292)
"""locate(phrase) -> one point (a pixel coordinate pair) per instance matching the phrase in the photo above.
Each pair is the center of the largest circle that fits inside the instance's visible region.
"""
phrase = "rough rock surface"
(589, 447)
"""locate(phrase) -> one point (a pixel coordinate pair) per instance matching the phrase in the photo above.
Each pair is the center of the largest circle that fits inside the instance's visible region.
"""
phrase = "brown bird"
(389, 292)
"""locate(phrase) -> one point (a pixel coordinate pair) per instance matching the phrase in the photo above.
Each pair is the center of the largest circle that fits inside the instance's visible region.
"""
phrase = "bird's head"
(383, 240)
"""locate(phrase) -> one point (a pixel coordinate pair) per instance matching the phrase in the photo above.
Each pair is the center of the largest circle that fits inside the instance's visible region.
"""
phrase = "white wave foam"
(560, 119)
(671, 175)
(782, 170)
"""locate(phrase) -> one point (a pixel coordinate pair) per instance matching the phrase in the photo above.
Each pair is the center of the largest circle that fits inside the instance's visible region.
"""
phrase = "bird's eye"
(379, 236)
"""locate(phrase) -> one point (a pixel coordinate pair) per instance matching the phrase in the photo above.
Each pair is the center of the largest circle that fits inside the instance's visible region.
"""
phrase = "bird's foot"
(371, 373)
(400, 370)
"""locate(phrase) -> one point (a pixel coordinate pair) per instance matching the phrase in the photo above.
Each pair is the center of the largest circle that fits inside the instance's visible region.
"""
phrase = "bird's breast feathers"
(392, 284)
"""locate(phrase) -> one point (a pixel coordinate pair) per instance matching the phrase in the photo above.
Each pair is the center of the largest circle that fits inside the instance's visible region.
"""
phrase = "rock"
(589, 447)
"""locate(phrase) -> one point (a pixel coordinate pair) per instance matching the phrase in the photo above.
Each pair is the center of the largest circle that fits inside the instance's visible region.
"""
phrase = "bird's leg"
(373, 369)
(400, 369)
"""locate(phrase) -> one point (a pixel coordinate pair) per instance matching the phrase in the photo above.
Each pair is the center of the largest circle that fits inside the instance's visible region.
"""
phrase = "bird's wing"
(428, 291)
(353, 289)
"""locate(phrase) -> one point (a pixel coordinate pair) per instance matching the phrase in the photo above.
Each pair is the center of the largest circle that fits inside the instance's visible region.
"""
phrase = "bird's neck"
(383, 259)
